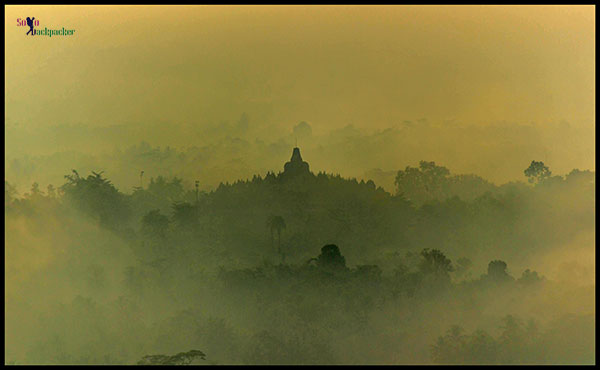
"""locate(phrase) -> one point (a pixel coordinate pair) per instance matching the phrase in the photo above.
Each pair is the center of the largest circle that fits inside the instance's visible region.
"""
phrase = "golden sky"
(331, 65)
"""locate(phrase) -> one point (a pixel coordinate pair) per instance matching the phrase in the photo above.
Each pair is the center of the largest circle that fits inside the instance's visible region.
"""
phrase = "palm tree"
(276, 223)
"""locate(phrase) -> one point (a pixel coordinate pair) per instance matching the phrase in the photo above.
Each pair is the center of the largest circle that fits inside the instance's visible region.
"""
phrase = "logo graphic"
(31, 22)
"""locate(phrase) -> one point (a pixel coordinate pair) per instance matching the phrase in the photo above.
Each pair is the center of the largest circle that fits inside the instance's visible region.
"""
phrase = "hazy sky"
(370, 66)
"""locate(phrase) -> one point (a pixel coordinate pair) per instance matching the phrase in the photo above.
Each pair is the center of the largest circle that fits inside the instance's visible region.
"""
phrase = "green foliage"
(97, 197)
(424, 183)
(9, 193)
(298, 312)
(586, 177)
(530, 277)
(435, 262)
(276, 224)
(497, 272)
(35, 190)
(155, 224)
(450, 348)
(170, 190)
(358, 215)
(182, 358)
(185, 215)
(331, 258)
(368, 272)
(537, 172)
(517, 344)
(431, 182)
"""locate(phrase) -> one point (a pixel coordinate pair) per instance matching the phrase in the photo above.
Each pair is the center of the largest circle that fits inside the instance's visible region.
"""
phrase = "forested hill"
(233, 272)
(291, 214)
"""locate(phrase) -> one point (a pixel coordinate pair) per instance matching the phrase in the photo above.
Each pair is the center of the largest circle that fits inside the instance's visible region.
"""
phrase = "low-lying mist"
(300, 184)
(301, 267)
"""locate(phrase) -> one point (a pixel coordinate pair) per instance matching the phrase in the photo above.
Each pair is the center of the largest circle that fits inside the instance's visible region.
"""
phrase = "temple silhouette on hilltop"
(296, 166)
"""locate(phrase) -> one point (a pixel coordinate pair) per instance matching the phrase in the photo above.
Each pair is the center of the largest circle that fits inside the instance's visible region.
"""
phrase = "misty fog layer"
(300, 185)
(447, 269)
(478, 89)
(228, 151)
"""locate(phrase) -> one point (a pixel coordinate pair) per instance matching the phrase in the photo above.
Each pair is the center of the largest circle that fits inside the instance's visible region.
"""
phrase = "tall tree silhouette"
(98, 197)
(537, 172)
(497, 271)
(331, 258)
(276, 223)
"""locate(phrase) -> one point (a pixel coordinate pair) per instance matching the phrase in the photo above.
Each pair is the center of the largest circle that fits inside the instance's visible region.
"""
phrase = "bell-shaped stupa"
(296, 166)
